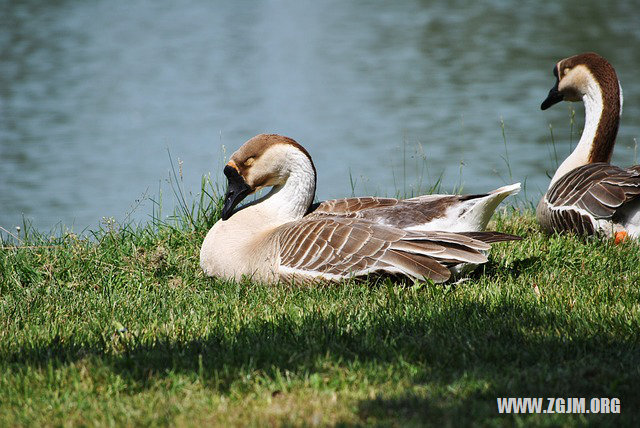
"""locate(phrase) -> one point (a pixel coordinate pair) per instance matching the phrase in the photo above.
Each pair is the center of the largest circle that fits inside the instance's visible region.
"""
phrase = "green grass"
(124, 329)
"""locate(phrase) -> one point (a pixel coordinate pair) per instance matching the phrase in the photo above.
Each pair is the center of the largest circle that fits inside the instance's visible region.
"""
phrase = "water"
(93, 95)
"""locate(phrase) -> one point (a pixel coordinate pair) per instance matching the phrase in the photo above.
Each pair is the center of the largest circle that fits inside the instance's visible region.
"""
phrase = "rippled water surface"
(94, 95)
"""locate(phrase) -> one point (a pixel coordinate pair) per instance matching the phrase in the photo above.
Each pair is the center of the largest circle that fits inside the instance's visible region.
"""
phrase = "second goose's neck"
(602, 108)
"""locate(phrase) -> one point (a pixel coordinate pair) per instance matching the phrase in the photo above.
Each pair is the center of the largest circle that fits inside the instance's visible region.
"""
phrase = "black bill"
(237, 190)
(554, 97)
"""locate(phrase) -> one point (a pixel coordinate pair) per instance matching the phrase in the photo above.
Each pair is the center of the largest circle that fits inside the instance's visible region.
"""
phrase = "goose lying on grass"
(283, 237)
(587, 195)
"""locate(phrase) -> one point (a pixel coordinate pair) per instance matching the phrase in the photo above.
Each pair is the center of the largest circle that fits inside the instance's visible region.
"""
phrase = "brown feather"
(355, 247)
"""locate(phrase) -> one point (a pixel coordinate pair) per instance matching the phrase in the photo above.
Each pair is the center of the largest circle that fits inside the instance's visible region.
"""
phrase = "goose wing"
(589, 193)
(401, 213)
(333, 248)
(351, 206)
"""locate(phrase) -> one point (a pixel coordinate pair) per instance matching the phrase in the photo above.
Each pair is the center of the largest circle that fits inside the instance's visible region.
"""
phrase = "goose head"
(589, 78)
(582, 75)
(266, 160)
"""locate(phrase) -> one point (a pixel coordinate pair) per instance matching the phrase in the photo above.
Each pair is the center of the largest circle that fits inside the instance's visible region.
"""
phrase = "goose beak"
(554, 97)
(237, 190)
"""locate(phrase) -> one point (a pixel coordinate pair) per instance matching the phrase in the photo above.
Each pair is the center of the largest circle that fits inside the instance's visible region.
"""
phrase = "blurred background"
(388, 97)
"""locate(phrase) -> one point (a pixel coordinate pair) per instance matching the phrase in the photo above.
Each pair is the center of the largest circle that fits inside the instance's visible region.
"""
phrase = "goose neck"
(602, 107)
(292, 200)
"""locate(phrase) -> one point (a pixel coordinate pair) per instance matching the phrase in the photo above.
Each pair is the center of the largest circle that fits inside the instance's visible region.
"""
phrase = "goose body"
(283, 237)
(587, 195)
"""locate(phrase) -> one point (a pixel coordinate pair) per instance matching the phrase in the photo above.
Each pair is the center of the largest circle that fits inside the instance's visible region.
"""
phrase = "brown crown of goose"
(254, 148)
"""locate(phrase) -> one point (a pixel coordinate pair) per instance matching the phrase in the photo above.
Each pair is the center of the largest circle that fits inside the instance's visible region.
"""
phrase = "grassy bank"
(124, 329)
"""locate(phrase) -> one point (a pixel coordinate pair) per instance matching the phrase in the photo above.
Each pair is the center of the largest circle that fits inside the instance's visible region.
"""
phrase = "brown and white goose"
(587, 195)
(281, 236)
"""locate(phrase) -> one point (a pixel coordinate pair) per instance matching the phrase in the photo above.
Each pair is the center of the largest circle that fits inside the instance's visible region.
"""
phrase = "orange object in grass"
(620, 237)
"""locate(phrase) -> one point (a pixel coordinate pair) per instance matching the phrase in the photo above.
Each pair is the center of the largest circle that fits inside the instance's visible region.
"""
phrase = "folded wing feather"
(402, 213)
(333, 248)
(593, 191)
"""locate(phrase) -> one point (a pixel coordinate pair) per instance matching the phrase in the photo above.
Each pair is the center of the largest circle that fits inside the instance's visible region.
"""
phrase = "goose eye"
(565, 71)
(249, 161)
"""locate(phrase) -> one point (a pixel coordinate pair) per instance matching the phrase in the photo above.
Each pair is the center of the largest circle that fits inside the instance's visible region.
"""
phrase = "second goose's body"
(283, 237)
(587, 195)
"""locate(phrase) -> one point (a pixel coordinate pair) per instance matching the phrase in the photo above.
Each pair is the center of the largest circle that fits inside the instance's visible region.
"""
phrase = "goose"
(587, 195)
(283, 236)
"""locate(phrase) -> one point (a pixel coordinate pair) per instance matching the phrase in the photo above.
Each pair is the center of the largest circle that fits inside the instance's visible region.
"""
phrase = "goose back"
(586, 200)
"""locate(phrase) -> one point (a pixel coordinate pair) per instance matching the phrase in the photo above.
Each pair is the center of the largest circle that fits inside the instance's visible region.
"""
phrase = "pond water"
(94, 96)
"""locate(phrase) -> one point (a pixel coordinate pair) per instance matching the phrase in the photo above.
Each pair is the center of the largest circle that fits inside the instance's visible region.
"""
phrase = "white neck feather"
(593, 105)
(290, 201)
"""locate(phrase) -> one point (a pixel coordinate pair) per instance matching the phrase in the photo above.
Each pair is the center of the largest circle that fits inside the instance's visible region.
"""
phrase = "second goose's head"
(580, 75)
(267, 160)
